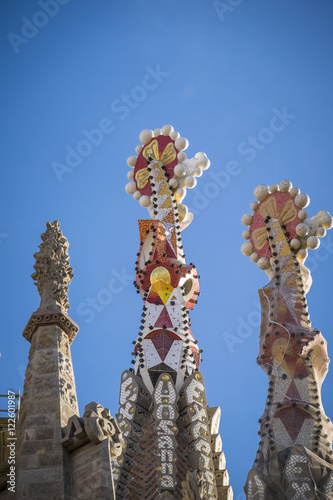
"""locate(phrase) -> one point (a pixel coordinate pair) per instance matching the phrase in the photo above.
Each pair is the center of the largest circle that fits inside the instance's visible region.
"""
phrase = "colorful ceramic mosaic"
(295, 457)
(162, 399)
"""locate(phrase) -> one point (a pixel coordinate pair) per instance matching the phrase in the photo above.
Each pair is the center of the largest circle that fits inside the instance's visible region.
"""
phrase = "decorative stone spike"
(53, 273)
(294, 459)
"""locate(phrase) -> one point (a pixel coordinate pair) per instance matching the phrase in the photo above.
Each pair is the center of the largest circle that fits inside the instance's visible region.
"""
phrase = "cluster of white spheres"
(308, 231)
(185, 172)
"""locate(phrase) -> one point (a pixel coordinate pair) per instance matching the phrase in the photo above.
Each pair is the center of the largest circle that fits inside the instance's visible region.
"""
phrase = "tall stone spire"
(172, 444)
(49, 395)
(295, 458)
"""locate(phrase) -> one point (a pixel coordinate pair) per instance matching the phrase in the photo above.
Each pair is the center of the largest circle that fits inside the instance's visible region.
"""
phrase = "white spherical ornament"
(263, 263)
(295, 243)
(130, 175)
(285, 186)
(157, 132)
(295, 191)
(247, 248)
(274, 188)
(302, 200)
(313, 242)
(302, 254)
(200, 154)
(254, 205)
(325, 219)
(130, 187)
(181, 143)
(261, 192)
(180, 170)
(302, 229)
(181, 156)
(197, 172)
(320, 232)
(145, 201)
(254, 257)
(137, 195)
(146, 136)
(167, 129)
(173, 182)
(247, 219)
(180, 192)
(302, 214)
(203, 162)
(190, 182)
(138, 148)
(131, 161)
(174, 135)
(246, 234)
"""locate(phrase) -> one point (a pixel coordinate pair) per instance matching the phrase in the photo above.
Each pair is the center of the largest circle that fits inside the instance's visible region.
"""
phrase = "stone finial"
(53, 273)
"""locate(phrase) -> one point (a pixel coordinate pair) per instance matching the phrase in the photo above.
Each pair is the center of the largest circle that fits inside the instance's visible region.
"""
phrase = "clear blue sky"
(219, 76)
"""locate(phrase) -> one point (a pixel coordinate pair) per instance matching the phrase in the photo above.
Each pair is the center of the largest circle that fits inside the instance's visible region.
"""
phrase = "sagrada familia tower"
(164, 442)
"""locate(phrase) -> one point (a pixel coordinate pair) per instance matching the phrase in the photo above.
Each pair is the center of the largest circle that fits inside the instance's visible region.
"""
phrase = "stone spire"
(53, 273)
(295, 457)
(172, 444)
(49, 395)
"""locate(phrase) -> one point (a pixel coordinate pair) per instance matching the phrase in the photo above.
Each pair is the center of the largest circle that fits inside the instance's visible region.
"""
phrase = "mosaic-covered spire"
(172, 443)
(295, 457)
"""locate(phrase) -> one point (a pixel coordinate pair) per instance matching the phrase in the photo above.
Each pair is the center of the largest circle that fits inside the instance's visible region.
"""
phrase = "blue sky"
(219, 73)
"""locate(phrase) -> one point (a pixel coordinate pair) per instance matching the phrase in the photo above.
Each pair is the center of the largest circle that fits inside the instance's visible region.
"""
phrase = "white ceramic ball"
(302, 214)
(157, 132)
(247, 219)
(254, 205)
(302, 229)
(138, 148)
(190, 182)
(295, 191)
(285, 186)
(130, 187)
(246, 234)
(181, 143)
(137, 195)
(261, 192)
(145, 201)
(167, 129)
(295, 243)
(181, 156)
(274, 188)
(174, 135)
(247, 248)
(146, 136)
(197, 172)
(320, 232)
(302, 200)
(263, 263)
(173, 182)
(254, 257)
(203, 162)
(313, 242)
(180, 170)
(302, 254)
(325, 219)
(131, 161)
(130, 175)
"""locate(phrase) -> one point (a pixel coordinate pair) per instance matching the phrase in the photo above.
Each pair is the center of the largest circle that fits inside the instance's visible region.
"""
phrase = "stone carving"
(53, 273)
(95, 425)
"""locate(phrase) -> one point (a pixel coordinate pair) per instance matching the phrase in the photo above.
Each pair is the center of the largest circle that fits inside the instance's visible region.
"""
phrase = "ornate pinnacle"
(294, 459)
(53, 273)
